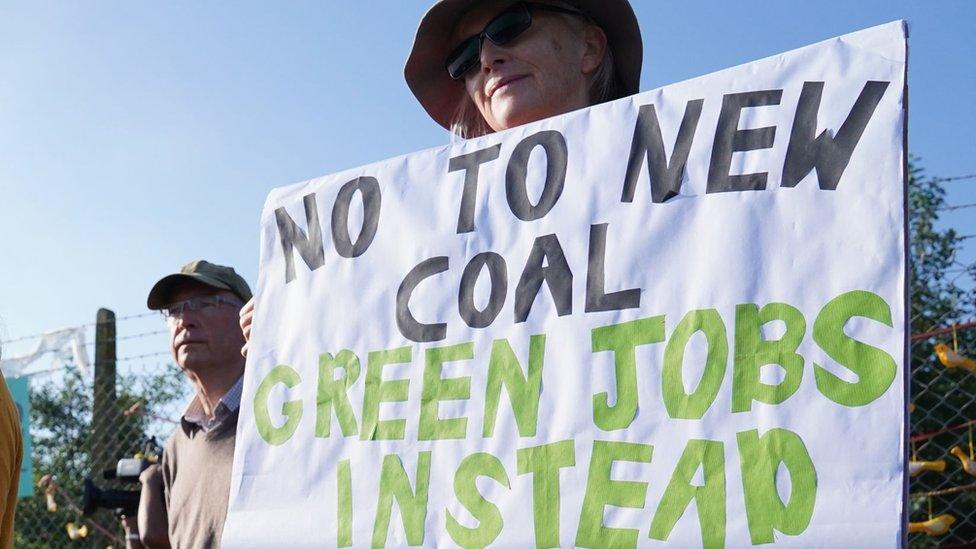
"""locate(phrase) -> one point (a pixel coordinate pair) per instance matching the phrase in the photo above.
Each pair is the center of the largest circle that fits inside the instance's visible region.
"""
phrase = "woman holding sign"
(478, 67)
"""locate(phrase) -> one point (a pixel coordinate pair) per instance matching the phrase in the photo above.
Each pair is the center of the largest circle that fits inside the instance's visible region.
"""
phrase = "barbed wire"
(65, 366)
(953, 178)
(91, 343)
(132, 336)
(39, 373)
(86, 325)
(956, 207)
(146, 355)
(965, 268)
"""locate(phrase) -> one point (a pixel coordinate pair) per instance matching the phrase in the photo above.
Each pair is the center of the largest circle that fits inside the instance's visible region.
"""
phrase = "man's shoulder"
(169, 447)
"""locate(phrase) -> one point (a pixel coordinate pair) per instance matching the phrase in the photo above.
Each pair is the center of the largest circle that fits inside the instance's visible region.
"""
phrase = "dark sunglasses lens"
(508, 25)
(463, 57)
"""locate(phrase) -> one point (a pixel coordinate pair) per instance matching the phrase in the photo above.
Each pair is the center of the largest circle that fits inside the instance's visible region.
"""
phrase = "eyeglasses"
(502, 29)
(204, 305)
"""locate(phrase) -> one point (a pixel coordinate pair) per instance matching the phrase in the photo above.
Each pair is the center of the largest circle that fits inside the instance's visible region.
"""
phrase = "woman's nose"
(492, 55)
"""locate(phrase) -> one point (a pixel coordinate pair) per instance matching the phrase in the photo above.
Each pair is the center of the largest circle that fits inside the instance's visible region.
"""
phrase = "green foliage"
(63, 444)
(938, 298)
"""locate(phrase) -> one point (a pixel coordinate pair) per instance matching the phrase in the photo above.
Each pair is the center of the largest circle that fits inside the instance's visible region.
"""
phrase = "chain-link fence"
(941, 443)
(81, 423)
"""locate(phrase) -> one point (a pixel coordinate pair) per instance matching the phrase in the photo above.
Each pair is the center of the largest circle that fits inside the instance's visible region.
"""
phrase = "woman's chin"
(516, 116)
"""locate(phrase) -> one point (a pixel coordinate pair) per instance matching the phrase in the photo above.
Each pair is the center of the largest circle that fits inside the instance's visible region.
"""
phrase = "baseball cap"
(202, 272)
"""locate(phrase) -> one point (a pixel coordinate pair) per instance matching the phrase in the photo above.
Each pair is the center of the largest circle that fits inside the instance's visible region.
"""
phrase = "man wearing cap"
(185, 499)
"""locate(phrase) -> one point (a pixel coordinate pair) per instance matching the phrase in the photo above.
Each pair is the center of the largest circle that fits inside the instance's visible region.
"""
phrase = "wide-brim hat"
(199, 272)
(440, 95)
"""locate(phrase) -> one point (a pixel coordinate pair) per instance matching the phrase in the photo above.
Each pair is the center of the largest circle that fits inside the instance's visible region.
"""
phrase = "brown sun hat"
(440, 95)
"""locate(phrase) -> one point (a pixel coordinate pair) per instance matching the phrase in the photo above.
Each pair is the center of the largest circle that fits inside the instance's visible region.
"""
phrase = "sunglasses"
(502, 29)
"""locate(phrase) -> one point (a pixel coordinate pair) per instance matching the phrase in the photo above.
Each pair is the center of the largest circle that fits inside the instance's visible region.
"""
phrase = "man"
(11, 454)
(185, 498)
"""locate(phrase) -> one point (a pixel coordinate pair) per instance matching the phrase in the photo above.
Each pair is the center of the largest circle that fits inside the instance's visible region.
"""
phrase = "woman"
(483, 66)
(479, 67)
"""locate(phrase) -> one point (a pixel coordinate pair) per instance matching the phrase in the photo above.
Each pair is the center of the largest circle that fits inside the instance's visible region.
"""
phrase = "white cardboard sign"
(677, 318)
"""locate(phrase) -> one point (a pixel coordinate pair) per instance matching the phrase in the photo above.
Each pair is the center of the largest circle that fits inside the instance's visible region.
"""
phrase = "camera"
(124, 502)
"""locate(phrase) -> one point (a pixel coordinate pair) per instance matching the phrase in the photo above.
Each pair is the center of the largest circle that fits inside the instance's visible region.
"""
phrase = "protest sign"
(675, 318)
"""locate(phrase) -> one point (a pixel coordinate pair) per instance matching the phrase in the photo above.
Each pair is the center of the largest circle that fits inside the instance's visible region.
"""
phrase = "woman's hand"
(247, 315)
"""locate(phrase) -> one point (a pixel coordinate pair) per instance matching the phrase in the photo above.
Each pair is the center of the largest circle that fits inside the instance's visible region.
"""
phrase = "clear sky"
(137, 135)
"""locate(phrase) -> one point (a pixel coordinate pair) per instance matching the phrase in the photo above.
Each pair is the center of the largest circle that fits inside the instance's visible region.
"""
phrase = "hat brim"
(161, 293)
(440, 95)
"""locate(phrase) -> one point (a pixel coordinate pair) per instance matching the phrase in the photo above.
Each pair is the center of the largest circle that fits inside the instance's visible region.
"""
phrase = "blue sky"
(135, 136)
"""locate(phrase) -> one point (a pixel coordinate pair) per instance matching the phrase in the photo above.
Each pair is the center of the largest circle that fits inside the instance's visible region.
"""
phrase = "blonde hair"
(467, 121)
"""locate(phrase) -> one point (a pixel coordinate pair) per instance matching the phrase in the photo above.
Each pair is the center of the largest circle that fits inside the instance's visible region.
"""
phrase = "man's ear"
(595, 47)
